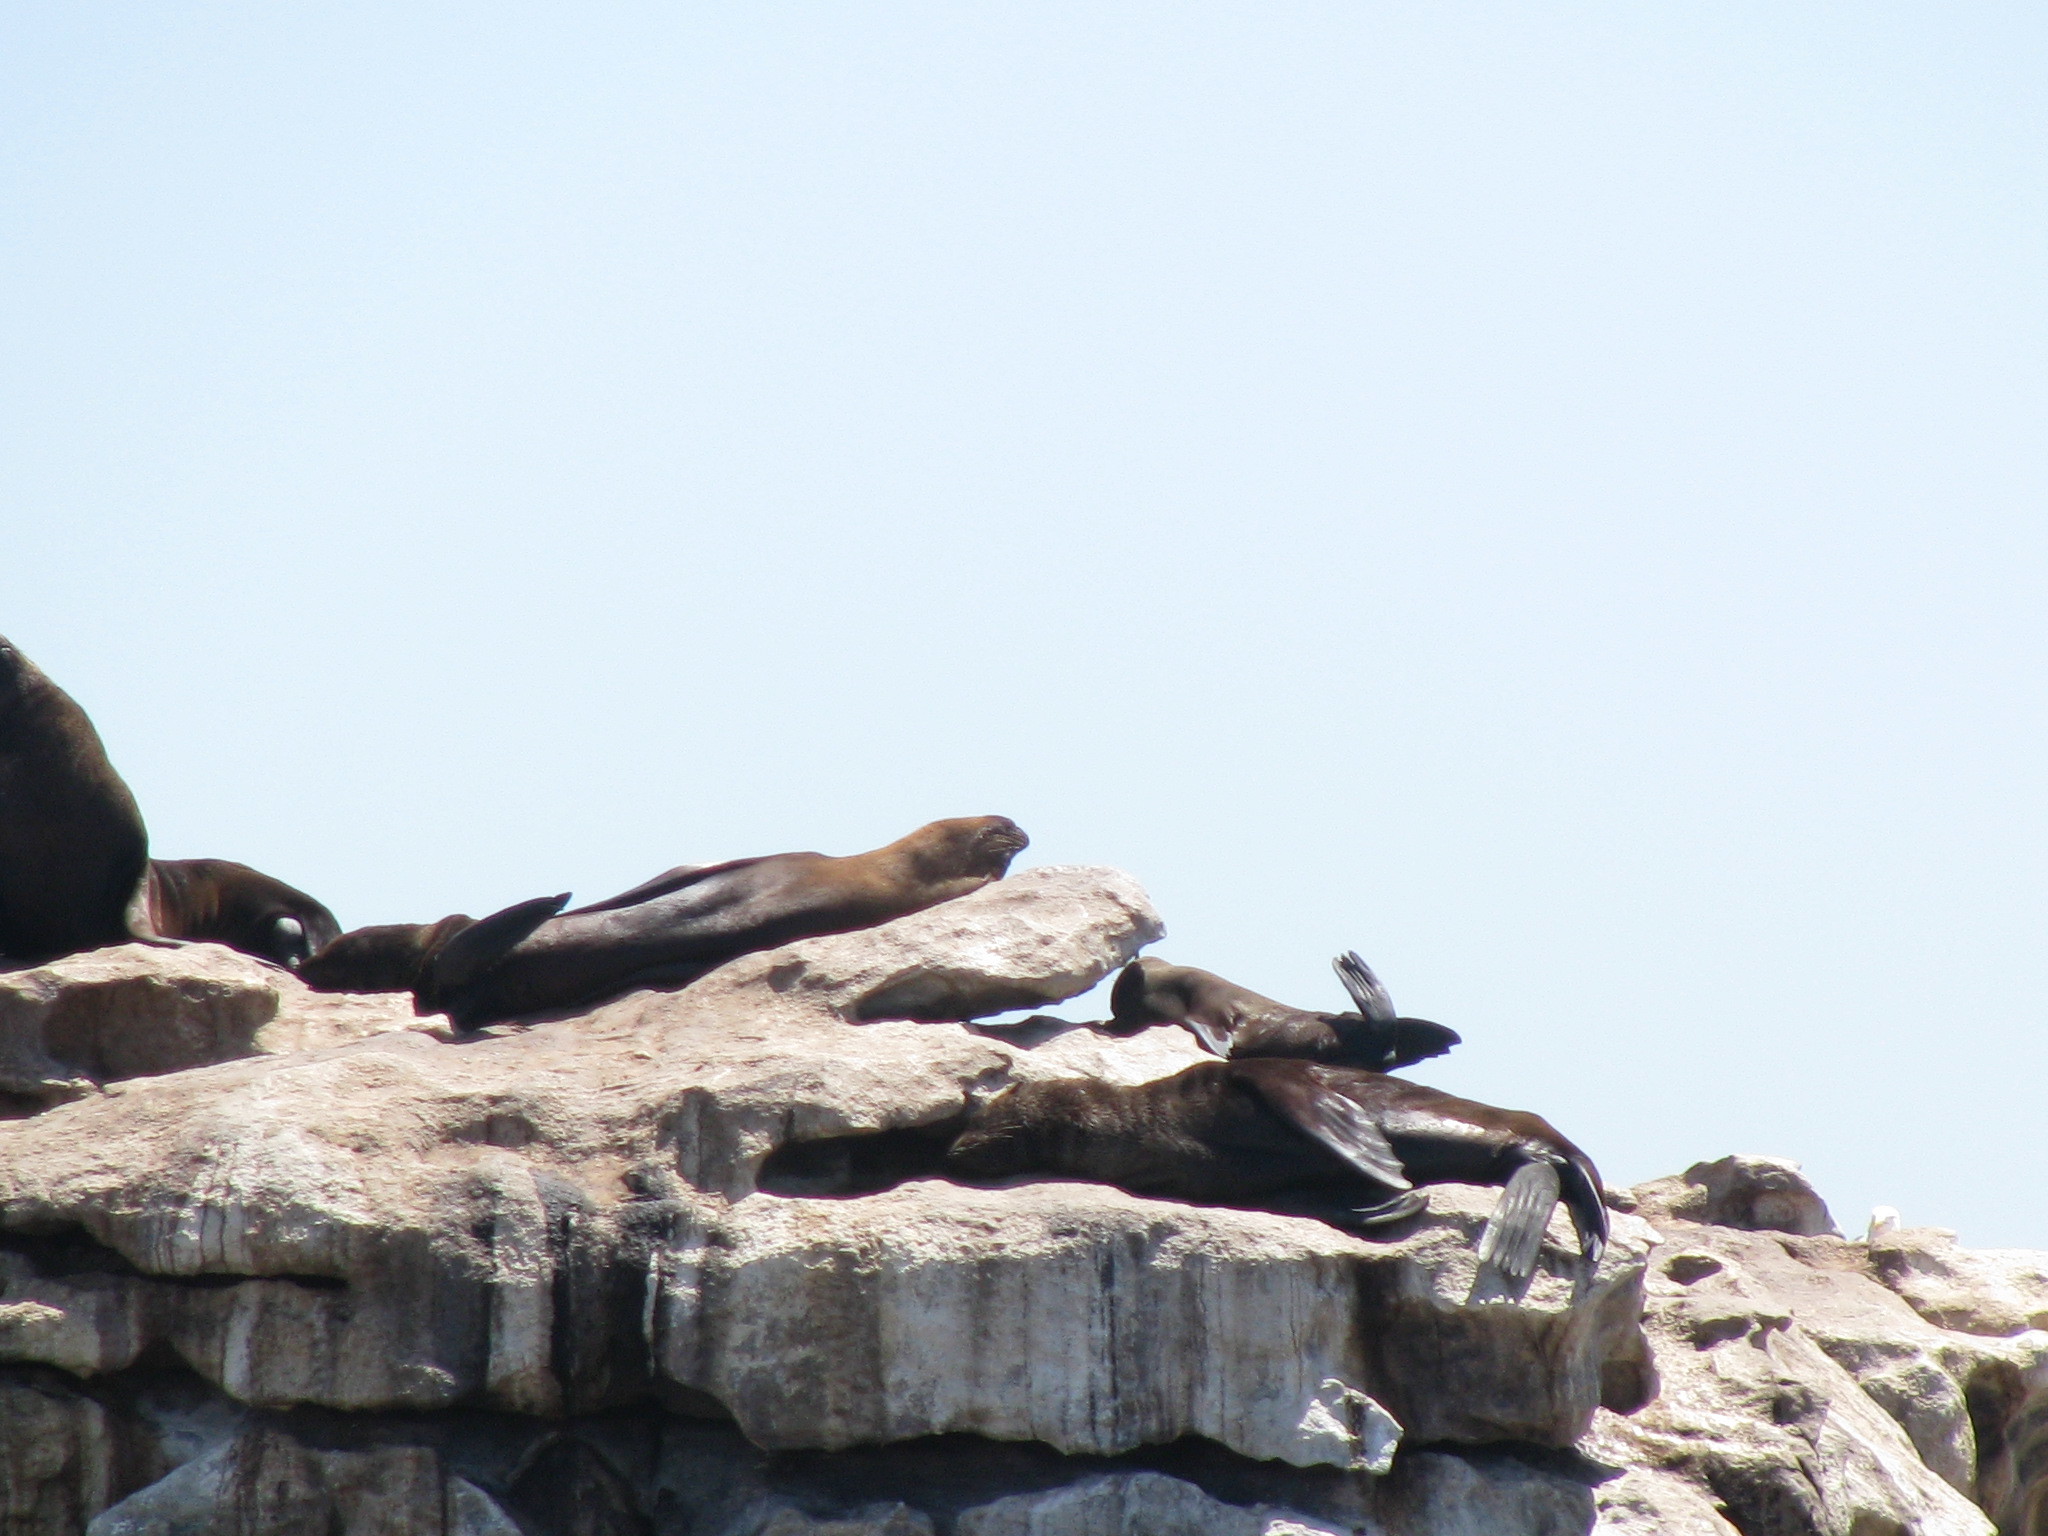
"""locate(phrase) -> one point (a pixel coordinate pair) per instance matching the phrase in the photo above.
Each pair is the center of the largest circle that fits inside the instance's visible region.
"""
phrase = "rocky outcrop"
(274, 1261)
(1813, 1384)
(69, 1028)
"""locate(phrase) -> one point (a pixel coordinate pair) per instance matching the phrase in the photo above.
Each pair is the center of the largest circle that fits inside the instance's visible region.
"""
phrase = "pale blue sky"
(1550, 496)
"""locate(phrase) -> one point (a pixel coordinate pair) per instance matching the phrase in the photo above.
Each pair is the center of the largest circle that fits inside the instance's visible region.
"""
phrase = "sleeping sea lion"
(672, 929)
(221, 902)
(73, 849)
(1297, 1136)
(1236, 1022)
(388, 957)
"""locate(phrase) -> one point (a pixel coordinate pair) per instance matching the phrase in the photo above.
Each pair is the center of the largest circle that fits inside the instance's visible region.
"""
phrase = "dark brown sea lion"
(535, 957)
(1237, 1022)
(72, 845)
(221, 902)
(388, 957)
(1296, 1136)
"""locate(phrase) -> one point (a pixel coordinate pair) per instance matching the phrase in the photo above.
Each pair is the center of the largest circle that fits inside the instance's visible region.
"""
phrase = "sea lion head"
(389, 957)
(18, 675)
(965, 848)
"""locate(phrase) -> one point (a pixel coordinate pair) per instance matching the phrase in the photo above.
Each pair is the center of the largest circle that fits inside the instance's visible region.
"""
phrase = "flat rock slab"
(558, 1217)
(76, 1024)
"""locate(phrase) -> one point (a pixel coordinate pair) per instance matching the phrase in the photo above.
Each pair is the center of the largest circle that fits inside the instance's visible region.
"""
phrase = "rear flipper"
(1588, 1206)
(1386, 1046)
(1514, 1232)
(473, 951)
(1411, 1040)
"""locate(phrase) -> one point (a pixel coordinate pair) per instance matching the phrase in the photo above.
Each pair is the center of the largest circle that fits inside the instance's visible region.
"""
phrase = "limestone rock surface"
(1801, 1389)
(273, 1261)
(329, 1206)
(207, 1469)
(76, 1024)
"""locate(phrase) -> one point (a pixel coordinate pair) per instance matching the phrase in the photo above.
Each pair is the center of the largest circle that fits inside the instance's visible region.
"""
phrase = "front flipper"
(1214, 1040)
(480, 946)
(1514, 1232)
(1339, 1123)
(1399, 1208)
(1367, 995)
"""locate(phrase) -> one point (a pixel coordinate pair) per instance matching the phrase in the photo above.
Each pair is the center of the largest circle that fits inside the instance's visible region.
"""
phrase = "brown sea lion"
(221, 902)
(1296, 1136)
(387, 957)
(670, 930)
(73, 849)
(1237, 1022)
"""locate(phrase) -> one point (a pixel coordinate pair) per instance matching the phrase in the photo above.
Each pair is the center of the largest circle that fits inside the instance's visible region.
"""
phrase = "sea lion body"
(1292, 1135)
(221, 902)
(73, 849)
(1237, 1022)
(681, 924)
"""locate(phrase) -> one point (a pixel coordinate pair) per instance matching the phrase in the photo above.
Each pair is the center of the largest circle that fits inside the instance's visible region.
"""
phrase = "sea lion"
(221, 902)
(670, 930)
(388, 957)
(73, 849)
(1294, 1135)
(1237, 1022)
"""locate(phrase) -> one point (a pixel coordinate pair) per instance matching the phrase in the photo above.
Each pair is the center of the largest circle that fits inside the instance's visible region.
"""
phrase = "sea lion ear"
(1367, 995)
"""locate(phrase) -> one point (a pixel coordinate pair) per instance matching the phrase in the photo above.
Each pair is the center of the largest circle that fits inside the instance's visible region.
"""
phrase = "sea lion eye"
(289, 935)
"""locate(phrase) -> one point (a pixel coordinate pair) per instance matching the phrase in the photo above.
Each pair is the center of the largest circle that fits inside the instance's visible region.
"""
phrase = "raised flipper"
(480, 946)
(1367, 995)
(1339, 1123)
(1514, 1232)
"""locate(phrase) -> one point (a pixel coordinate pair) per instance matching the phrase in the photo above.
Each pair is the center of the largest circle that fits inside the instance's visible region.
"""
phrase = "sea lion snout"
(1006, 835)
(965, 847)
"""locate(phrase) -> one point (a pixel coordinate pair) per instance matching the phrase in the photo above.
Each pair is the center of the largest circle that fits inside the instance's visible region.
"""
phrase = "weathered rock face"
(274, 1261)
(263, 1201)
(1809, 1384)
(69, 1027)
